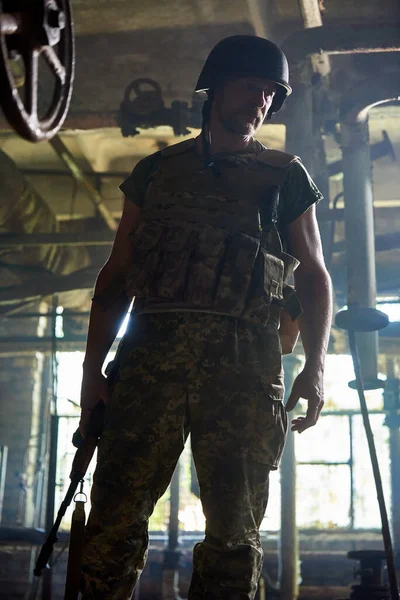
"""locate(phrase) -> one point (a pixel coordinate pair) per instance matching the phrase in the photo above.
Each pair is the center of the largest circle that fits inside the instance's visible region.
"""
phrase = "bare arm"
(314, 288)
(105, 321)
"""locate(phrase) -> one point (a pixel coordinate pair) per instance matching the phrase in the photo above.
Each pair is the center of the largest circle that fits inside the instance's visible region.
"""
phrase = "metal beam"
(26, 346)
(31, 240)
(45, 286)
(78, 174)
(63, 173)
(341, 39)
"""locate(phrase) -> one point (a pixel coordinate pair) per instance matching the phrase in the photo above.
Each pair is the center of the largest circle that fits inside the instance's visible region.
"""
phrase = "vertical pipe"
(392, 406)
(170, 584)
(351, 465)
(53, 445)
(3, 471)
(359, 231)
(299, 109)
(173, 526)
(299, 141)
(394, 442)
(289, 542)
(51, 486)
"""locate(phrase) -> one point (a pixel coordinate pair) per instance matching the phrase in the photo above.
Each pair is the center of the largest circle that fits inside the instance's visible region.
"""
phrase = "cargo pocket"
(266, 286)
(235, 274)
(176, 248)
(273, 276)
(204, 267)
(145, 258)
(270, 433)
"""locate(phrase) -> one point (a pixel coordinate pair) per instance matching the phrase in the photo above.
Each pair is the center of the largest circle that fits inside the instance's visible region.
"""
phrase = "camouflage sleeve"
(135, 186)
(298, 193)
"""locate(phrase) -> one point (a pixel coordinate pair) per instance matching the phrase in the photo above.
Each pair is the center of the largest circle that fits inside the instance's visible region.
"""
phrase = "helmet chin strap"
(206, 134)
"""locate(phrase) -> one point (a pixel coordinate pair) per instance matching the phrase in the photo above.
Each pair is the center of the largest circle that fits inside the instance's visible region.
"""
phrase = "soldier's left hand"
(308, 385)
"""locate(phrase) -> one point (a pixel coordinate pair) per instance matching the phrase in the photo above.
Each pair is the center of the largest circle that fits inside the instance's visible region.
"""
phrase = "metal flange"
(360, 318)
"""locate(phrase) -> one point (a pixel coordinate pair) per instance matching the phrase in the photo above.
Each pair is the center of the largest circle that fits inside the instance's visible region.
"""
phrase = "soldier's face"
(242, 104)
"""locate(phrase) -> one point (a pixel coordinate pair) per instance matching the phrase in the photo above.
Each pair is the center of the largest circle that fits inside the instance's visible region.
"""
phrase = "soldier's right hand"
(94, 389)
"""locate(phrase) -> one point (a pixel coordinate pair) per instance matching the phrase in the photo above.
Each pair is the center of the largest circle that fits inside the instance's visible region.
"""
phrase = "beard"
(241, 123)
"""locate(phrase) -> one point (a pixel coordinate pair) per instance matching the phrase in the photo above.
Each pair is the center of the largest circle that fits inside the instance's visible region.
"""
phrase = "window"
(335, 486)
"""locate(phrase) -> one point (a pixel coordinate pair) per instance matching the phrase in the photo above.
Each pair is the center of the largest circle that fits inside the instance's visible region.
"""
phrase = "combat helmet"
(247, 56)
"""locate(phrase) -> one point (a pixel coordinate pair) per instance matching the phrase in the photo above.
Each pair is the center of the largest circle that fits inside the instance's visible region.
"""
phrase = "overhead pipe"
(378, 150)
(358, 207)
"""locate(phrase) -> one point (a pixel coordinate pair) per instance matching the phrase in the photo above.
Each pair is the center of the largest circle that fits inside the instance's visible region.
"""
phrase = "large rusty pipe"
(358, 205)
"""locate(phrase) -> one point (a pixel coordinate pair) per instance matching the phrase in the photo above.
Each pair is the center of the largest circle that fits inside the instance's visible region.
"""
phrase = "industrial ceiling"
(119, 41)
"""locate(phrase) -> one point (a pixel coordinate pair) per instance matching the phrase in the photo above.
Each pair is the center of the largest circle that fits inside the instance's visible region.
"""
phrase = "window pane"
(366, 509)
(160, 518)
(323, 496)
(328, 441)
(69, 382)
(191, 517)
(272, 518)
(338, 396)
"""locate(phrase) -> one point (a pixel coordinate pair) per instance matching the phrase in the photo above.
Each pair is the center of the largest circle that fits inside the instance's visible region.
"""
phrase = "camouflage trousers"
(219, 379)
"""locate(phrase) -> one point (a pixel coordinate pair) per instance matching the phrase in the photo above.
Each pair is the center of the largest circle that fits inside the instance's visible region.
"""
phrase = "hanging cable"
(205, 134)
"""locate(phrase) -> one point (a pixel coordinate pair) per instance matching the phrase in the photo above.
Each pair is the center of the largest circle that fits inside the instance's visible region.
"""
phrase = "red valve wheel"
(31, 30)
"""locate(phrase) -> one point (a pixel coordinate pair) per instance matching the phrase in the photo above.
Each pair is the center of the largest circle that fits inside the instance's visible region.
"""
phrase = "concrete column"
(20, 405)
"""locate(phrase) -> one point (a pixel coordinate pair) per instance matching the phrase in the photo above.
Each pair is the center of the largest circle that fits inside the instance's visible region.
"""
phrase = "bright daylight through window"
(335, 486)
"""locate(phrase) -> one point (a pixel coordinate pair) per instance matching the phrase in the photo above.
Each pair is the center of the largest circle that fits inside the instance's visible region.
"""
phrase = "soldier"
(202, 247)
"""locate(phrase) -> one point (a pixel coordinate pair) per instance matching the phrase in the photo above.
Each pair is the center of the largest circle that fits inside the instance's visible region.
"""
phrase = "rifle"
(86, 447)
